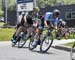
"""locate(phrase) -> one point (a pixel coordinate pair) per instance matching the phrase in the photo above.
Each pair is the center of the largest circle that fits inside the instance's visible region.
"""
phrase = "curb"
(7, 26)
(62, 48)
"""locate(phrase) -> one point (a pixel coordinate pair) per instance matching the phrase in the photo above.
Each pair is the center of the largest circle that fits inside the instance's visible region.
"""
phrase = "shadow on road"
(62, 48)
(41, 52)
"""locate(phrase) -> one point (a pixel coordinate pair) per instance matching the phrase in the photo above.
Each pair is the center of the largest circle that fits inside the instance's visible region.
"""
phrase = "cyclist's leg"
(37, 36)
(40, 31)
(17, 33)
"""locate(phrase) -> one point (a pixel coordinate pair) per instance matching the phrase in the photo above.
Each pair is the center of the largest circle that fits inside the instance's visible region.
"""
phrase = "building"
(67, 13)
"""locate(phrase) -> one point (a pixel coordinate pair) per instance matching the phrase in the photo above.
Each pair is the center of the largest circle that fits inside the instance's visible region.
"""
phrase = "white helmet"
(60, 20)
(22, 13)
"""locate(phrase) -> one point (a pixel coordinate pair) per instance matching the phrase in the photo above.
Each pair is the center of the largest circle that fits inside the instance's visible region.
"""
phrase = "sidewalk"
(60, 44)
(63, 41)
(5, 43)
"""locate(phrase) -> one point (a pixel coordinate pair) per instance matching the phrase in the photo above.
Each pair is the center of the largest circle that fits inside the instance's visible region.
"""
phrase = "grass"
(6, 34)
(69, 44)
(2, 23)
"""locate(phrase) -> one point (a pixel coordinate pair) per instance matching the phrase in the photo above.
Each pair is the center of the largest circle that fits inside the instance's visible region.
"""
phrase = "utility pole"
(34, 3)
(17, 13)
(6, 8)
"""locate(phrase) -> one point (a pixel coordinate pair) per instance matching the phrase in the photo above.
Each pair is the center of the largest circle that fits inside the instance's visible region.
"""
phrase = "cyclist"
(61, 26)
(61, 23)
(35, 16)
(50, 20)
(26, 21)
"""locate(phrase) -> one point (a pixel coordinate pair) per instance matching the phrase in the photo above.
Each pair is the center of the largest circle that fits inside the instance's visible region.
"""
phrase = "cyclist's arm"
(45, 22)
(25, 18)
(55, 26)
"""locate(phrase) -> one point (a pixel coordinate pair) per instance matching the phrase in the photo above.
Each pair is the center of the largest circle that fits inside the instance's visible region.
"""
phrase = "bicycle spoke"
(46, 43)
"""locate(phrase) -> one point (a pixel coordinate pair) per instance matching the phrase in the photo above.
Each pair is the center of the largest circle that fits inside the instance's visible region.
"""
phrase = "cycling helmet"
(23, 13)
(36, 9)
(56, 11)
(60, 20)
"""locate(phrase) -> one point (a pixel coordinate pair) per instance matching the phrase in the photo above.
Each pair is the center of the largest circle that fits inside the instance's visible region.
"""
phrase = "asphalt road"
(13, 53)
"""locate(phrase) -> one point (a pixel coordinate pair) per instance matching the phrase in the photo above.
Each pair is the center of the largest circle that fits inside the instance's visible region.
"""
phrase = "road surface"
(13, 53)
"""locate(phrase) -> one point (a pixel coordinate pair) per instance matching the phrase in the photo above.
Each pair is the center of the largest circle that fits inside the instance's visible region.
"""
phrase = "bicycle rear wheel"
(31, 47)
(22, 40)
(21, 43)
(72, 55)
(46, 43)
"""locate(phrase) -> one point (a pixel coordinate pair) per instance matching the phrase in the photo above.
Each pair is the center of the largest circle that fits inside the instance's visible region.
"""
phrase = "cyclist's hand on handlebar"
(47, 26)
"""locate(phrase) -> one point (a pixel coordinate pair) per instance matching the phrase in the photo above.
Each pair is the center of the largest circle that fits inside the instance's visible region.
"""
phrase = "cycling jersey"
(55, 21)
(49, 17)
(61, 24)
(35, 16)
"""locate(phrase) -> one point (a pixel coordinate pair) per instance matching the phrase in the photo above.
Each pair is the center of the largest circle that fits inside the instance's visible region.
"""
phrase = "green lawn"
(2, 23)
(69, 44)
(6, 34)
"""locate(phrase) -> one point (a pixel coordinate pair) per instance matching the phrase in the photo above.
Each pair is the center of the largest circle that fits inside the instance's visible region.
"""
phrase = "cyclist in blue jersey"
(50, 20)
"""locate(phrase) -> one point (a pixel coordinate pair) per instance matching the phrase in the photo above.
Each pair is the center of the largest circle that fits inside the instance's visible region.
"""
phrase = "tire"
(21, 40)
(21, 43)
(46, 41)
(72, 54)
(31, 47)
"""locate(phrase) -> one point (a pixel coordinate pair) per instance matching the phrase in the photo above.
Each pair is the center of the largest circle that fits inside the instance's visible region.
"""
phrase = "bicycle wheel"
(72, 55)
(31, 47)
(46, 43)
(22, 40)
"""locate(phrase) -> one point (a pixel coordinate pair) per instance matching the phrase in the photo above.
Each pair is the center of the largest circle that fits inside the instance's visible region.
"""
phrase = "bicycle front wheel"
(31, 47)
(46, 43)
(21, 43)
(72, 55)
(22, 40)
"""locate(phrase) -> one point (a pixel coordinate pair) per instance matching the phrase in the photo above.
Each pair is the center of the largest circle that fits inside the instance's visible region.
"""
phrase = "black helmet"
(56, 11)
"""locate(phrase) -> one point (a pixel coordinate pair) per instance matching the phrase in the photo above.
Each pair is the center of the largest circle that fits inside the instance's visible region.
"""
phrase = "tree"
(44, 3)
(40, 3)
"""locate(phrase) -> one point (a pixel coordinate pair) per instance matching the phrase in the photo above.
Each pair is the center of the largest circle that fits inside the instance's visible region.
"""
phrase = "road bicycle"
(48, 39)
(24, 36)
